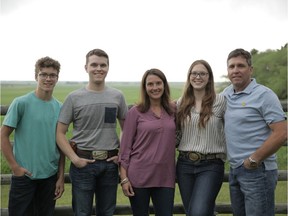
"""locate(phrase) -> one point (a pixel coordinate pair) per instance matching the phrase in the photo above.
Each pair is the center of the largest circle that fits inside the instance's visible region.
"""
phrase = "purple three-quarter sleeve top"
(147, 149)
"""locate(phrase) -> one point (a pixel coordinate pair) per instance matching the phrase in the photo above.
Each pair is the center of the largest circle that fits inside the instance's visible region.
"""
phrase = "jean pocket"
(19, 177)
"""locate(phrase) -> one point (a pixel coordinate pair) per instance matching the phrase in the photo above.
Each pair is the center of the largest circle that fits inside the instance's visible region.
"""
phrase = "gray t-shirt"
(94, 116)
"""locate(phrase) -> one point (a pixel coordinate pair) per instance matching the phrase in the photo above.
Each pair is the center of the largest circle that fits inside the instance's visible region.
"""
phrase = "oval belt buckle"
(194, 156)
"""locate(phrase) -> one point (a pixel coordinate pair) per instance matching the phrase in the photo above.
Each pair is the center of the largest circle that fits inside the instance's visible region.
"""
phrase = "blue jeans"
(162, 199)
(32, 197)
(199, 185)
(252, 191)
(100, 178)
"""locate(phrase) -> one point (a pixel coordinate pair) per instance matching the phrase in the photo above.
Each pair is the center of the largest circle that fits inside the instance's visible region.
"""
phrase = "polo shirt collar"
(247, 90)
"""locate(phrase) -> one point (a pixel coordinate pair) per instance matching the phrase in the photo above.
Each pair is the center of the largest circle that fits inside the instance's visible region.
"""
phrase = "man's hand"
(59, 190)
(114, 159)
(20, 171)
(82, 162)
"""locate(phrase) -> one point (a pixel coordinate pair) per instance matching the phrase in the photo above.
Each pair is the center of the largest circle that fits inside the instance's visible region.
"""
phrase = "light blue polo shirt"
(247, 120)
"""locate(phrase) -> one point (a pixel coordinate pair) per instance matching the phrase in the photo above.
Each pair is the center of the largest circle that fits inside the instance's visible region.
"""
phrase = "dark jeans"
(199, 185)
(162, 199)
(32, 197)
(100, 178)
(252, 191)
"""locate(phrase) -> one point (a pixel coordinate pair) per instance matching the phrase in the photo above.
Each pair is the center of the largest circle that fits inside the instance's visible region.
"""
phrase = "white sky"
(136, 34)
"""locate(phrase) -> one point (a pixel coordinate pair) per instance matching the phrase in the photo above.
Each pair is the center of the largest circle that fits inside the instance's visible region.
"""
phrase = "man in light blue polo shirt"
(255, 128)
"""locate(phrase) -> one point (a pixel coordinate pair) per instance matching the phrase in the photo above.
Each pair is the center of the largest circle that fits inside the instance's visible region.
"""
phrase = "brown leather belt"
(96, 155)
(196, 156)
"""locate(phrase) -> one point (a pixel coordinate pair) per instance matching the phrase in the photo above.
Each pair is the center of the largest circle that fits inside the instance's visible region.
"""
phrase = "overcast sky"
(136, 34)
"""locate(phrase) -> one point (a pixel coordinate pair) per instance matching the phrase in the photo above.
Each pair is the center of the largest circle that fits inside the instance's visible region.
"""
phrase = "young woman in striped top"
(202, 149)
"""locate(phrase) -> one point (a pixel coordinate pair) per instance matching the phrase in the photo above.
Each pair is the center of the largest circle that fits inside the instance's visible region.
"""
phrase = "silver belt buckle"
(100, 155)
(194, 156)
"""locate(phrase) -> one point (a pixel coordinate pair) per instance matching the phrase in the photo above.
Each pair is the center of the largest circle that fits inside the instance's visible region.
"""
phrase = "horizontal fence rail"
(6, 178)
(221, 208)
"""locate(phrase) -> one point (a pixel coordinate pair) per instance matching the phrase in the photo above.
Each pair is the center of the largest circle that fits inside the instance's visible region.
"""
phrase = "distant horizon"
(33, 81)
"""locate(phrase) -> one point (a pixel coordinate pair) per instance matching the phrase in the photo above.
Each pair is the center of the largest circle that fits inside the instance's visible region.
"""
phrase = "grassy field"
(131, 91)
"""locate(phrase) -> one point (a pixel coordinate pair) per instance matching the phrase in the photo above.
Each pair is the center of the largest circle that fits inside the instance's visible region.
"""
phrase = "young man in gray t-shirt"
(93, 148)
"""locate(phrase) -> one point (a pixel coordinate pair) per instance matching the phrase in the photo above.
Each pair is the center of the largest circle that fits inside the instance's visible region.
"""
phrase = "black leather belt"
(96, 155)
(196, 156)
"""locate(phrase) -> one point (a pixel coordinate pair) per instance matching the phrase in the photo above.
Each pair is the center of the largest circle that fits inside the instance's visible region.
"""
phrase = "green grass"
(131, 92)
(62, 89)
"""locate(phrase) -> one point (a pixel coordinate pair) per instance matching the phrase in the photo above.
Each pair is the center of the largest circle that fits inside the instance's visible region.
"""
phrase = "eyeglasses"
(201, 74)
(45, 76)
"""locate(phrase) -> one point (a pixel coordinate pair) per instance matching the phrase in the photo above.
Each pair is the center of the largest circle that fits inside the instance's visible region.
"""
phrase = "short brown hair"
(46, 62)
(97, 52)
(241, 52)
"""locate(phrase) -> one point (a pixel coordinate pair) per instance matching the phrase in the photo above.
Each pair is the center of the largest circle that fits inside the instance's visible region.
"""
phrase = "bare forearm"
(7, 151)
(61, 168)
(123, 172)
(273, 143)
(65, 147)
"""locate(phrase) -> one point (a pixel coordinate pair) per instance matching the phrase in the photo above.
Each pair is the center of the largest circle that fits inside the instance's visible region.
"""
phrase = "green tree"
(270, 69)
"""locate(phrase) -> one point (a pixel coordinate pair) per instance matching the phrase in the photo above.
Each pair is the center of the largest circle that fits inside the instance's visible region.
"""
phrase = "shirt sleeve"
(14, 114)
(271, 108)
(128, 137)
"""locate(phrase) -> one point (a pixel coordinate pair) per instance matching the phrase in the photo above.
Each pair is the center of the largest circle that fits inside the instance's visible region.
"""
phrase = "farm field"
(131, 92)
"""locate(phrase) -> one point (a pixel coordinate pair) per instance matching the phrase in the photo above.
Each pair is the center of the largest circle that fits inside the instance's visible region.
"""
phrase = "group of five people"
(245, 122)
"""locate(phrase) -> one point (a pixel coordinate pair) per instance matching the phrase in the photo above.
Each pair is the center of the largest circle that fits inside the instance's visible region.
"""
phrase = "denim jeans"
(199, 184)
(32, 197)
(162, 199)
(252, 191)
(100, 178)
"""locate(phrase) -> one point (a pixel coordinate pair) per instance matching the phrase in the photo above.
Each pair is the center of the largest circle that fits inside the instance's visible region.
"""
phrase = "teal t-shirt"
(35, 146)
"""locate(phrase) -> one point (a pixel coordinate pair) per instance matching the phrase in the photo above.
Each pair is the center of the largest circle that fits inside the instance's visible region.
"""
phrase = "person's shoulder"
(77, 92)
(173, 106)
(24, 98)
(19, 103)
(262, 89)
(57, 102)
(227, 90)
(113, 89)
(133, 108)
(220, 97)
(130, 106)
(114, 92)
(220, 100)
(259, 87)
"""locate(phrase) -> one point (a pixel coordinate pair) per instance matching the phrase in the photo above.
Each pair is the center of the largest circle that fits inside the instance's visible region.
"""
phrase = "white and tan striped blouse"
(210, 139)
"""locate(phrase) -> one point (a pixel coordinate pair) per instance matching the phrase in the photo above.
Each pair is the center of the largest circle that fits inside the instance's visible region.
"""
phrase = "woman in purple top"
(147, 149)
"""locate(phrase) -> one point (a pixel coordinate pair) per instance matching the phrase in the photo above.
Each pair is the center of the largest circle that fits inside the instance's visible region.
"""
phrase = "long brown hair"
(188, 98)
(144, 104)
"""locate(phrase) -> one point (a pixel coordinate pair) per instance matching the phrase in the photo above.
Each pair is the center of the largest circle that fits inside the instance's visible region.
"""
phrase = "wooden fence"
(221, 208)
